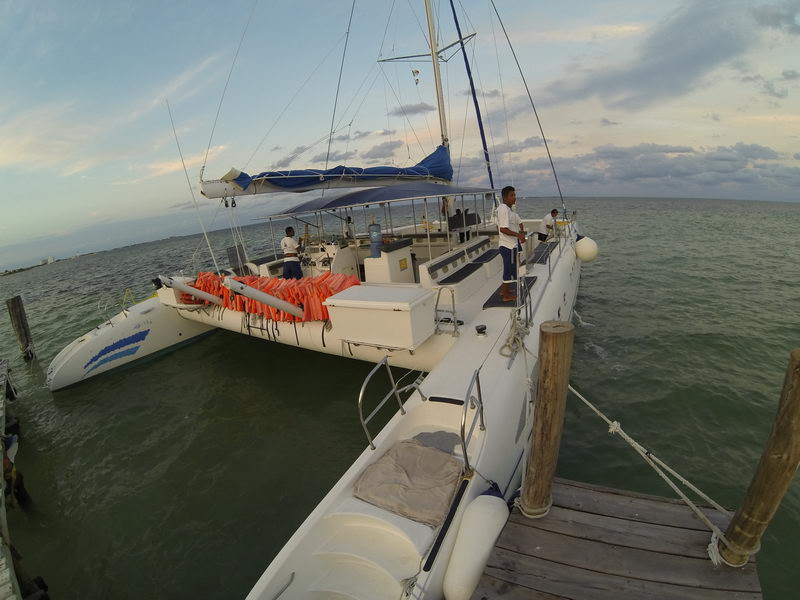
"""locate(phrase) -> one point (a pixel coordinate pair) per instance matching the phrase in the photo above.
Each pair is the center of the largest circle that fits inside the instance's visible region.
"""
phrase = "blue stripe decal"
(108, 359)
(131, 339)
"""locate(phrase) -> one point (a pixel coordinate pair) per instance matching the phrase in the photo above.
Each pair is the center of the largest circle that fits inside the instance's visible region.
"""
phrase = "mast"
(437, 76)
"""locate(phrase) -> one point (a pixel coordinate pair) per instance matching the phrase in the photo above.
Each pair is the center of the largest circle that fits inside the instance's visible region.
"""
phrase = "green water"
(182, 477)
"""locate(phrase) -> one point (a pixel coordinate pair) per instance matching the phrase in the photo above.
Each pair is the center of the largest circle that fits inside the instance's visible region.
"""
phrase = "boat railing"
(448, 311)
(392, 392)
(475, 403)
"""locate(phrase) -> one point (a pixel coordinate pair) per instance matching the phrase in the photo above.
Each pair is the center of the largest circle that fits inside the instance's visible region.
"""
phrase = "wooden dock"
(599, 543)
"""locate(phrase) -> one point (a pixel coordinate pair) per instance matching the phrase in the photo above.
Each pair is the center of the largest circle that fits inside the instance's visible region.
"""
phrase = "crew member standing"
(291, 258)
(547, 224)
(512, 234)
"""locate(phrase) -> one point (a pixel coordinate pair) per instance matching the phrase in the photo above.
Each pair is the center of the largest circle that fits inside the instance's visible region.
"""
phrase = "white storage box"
(390, 316)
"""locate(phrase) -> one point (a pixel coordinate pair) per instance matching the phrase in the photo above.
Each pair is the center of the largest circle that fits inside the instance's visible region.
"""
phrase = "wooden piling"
(555, 358)
(19, 320)
(779, 461)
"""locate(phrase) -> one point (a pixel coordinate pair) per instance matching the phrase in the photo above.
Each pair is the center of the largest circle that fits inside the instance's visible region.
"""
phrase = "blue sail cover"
(436, 165)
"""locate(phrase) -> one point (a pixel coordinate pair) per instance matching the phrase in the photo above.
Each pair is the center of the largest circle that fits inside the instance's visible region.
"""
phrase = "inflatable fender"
(481, 525)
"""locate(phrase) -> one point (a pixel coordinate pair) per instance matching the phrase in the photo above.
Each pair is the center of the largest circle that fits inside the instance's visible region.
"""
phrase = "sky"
(695, 98)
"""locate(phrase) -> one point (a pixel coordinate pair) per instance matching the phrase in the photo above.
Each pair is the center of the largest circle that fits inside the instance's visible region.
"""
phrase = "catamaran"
(421, 297)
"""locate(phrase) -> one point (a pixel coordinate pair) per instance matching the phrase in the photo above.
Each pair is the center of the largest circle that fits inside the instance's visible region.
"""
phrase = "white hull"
(347, 548)
(140, 331)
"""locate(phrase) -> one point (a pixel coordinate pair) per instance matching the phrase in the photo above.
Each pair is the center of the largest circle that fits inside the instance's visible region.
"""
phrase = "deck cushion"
(411, 480)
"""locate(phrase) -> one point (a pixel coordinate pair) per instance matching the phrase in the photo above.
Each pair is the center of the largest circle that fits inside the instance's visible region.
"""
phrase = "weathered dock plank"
(599, 543)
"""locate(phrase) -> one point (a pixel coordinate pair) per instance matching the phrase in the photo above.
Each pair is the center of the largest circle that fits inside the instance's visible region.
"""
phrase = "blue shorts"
(292, 270)
(509, 264)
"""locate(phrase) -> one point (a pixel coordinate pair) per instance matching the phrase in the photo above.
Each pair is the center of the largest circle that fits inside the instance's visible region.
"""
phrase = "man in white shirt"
(547, 224)
(291, 258)
(511, 234)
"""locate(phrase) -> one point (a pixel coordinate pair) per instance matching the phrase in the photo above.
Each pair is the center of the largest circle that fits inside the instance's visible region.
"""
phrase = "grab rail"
(476, 403)
(394, 391)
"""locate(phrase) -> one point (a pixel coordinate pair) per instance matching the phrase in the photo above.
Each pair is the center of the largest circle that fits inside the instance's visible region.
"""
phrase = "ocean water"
(183, 476)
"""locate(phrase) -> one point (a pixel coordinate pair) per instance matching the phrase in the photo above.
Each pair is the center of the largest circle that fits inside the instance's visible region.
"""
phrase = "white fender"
(586, 249)
(481, 525)
(259, 296)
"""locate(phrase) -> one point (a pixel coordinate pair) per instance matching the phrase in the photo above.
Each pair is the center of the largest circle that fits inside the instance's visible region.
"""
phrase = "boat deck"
(600, 543)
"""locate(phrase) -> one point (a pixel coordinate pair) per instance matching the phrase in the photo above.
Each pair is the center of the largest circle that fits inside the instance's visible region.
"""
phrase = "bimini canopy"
(392, 193)
(435, 167)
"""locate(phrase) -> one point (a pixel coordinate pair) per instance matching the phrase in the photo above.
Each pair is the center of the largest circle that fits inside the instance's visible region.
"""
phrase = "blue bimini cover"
(434, 166)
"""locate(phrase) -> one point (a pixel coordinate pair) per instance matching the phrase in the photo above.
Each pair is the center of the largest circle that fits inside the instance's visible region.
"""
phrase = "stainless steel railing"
(393, 392)
(476, 403)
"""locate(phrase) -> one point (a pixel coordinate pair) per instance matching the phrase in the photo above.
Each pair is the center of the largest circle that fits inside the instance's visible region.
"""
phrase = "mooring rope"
(664, 471)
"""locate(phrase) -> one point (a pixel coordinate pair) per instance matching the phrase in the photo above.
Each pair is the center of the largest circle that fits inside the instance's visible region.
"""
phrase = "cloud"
(183, 86)
(673, 60)
(386, 132)
(287, 160)
(517, 146)
(796, 156)
(274, 148)
(584, 33)
(411, 109)
(157, 169)
(766, 86)
(382, 150)
(782, 16)
(334, 156)
(482, 93)
(46, 136)
(790, 74)
(188, 205)
(713, 116)
(738, 170)
(608, 123)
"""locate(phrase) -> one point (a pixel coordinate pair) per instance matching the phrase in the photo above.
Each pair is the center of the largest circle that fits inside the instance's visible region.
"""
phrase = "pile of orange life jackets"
(308, 292)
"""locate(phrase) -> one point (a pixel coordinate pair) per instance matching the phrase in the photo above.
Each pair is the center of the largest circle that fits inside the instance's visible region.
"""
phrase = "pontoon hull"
(140, 331)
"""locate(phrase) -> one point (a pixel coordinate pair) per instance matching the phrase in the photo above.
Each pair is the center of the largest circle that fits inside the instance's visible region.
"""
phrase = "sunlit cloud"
(157, 169)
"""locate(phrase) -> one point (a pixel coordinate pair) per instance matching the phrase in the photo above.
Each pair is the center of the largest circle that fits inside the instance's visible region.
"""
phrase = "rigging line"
(416, 18)
(189, 183)
(359, 95)
(535, 112)
(291, 101)
(192, 260)
(424, 114)
(338, 84)
(509, 163)
(463, 136)
(386, 29)
(474, 96)
(225, 89)
(486, 109)
(402, 110)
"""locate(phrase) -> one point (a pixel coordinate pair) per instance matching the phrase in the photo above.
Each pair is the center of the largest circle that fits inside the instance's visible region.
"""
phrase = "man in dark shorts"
(511, 233)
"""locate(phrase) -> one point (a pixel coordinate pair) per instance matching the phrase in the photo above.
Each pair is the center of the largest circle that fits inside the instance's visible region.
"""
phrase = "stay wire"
(535, 112)
(291, 101)
(338, 85)
(191, 189)
(227, 81)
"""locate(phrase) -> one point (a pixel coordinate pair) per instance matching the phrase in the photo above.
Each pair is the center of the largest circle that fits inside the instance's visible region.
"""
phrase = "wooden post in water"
(19, 320)
(555, 359)
(779, 461)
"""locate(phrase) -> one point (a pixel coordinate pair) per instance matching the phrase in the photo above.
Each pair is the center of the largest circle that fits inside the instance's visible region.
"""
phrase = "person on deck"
(291, 259)
(547, 224)
(512, 234)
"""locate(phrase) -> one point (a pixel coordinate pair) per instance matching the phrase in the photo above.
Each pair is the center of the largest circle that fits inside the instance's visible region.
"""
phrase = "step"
(357, 580)
(353, 511)
(388, 550)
